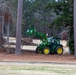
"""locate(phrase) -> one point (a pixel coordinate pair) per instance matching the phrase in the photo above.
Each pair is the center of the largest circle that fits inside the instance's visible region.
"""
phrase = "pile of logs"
(27, 41)
(10, 47)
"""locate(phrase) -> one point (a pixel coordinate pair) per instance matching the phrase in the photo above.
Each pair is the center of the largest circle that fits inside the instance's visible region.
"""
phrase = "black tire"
(46, 50)
(38, 50)
(59, 50)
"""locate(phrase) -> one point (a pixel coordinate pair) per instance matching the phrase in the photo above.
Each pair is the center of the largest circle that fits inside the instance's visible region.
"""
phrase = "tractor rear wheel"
(46, 50)
(38, 50)
(59, 50)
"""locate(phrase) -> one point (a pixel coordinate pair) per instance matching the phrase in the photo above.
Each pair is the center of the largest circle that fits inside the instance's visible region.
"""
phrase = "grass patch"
(49, 69)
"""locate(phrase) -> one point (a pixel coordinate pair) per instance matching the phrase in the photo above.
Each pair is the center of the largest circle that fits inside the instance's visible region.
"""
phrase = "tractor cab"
(54, 40)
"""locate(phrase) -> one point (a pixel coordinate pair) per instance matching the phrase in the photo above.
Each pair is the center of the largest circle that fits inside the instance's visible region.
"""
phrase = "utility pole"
(75, 28)
(18, 27)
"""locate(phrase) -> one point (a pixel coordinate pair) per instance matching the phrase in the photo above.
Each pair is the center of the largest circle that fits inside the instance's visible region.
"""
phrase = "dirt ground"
(32, 56)
(29, 55)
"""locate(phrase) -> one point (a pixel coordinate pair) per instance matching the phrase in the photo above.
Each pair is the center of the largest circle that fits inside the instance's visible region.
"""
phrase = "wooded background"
(48, 16)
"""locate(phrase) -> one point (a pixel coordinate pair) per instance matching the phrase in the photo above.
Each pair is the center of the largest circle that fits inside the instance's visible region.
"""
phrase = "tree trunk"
(8, 30)
(2, 25)
(75, 28)
(18, 27)
(0, 28)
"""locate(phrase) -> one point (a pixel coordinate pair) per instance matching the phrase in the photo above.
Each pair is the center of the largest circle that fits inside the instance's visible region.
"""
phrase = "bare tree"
(18, 27)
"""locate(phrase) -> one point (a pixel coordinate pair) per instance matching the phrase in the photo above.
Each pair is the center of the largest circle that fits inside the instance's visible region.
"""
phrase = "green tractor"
(48, 45)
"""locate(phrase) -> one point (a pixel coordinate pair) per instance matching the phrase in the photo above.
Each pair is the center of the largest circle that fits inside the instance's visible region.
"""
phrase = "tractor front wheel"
(59, 50)
(46, 50)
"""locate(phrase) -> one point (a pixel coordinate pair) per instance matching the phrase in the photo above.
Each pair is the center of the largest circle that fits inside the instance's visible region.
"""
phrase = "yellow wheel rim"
(59, 51)
(46, 51)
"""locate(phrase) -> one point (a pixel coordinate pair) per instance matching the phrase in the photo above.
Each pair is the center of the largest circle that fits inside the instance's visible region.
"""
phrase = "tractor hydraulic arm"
(33, 32)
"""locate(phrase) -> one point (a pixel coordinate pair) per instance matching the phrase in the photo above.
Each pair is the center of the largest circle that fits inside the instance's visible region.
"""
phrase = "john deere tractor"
(48, 45)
